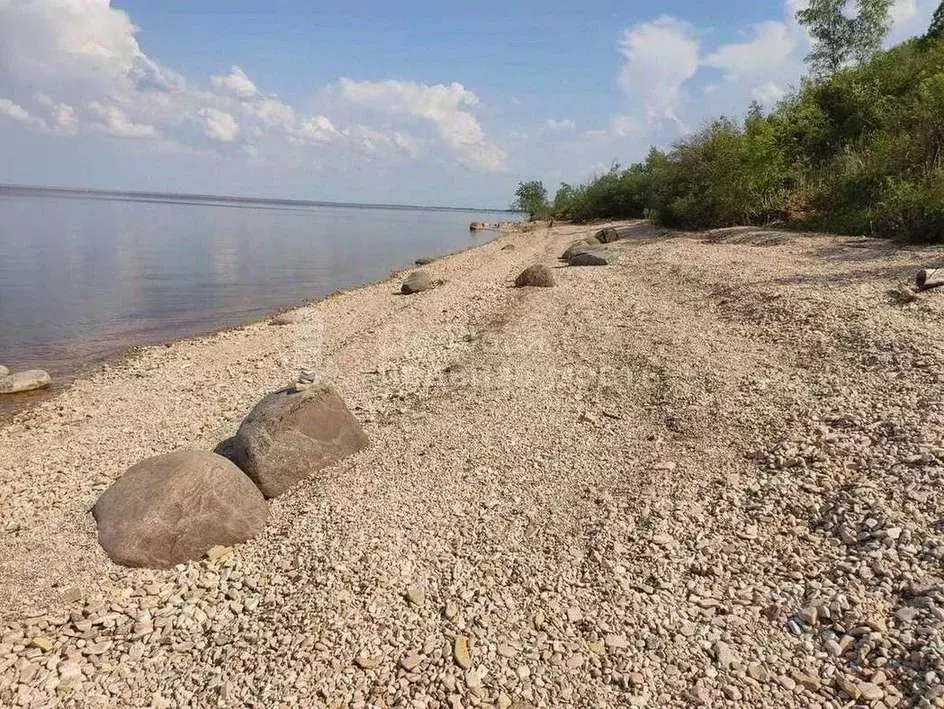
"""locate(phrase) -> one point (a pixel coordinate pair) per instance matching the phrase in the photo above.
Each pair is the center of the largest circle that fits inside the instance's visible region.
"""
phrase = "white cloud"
(235, 82)
(659, 57)
(563, 125)
(62, 115)
(219, 125)
(768, 94)
(117, 123)
(444, 106)
(18, 113)
(316, 130)
(771, 45)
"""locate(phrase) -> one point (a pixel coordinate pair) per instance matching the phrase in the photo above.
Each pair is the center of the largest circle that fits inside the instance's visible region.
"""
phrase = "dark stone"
(589, 258)
(536, 275)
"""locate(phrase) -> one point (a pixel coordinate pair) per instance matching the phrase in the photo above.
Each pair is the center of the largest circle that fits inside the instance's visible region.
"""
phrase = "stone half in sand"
(537, 275)
(174, 507)
(417, 282)
(293, 433)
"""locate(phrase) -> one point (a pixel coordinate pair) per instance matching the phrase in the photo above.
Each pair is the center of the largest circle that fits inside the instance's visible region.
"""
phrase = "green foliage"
(937, 23)
(531, 197)
(860, 151)
(839, 39)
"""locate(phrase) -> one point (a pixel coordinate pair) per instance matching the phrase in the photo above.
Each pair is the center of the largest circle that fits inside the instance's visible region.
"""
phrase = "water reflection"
(83, 278)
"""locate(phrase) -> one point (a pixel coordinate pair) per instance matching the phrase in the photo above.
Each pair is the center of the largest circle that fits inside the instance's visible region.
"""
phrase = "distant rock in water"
(173, 508)
(416, 282)
(589, 258)
(477, 226)
(293, 433)
(537, 275)
(23, 381)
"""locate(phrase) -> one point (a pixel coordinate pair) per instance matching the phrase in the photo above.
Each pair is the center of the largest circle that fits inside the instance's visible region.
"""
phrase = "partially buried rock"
(607, 236)
(286, 319)
(24, 381)
(537, 275)
(293, 433)
(507, 247)
(588, 258)
(175, 507)
(579, 247)
(416, 282)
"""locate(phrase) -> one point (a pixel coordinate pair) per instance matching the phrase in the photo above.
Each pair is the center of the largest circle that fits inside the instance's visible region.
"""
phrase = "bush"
(861, 151)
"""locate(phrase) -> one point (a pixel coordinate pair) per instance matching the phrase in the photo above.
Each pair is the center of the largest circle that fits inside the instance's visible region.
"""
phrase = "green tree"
(839, 39)
(937, 23)
(531, 197)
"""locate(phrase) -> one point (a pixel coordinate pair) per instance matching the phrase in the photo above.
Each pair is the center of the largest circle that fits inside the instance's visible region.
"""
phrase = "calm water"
(83, 278)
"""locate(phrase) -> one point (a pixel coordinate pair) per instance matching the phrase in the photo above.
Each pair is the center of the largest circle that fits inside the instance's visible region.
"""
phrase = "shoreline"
(602, 486)
(13, 405)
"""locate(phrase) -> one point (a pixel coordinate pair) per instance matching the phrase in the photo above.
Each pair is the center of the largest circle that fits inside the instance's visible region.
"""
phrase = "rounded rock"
(537, 275)
(416, 282)
(29, 380)
(174, 507)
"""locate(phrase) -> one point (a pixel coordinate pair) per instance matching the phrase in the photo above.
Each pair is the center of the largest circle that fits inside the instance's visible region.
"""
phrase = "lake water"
(84, 277)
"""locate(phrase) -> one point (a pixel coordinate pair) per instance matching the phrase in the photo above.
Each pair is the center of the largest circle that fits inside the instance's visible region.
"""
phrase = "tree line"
(857, 148)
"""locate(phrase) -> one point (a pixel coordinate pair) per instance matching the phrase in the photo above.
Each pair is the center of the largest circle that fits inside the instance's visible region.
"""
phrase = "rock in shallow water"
(24, 381)
(293, 433)
(173, 508)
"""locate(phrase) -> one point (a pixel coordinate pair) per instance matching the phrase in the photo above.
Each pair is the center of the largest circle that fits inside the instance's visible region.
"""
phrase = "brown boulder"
(585, 244)
(173, 508)
(416, 282)
(536, 275)
(293, 433)
(607, 236)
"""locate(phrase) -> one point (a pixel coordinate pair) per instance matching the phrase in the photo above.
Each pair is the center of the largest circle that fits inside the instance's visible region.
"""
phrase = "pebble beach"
(709, 473)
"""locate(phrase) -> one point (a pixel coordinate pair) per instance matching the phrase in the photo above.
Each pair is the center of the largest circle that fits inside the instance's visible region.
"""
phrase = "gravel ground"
(711, 473)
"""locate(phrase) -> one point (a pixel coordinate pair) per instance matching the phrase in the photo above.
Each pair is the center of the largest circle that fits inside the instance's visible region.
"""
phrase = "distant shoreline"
(217, 200)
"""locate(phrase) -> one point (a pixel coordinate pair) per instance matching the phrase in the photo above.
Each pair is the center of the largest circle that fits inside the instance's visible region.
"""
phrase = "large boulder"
(608, 235)
(24, 381)
(536, 275)
(294, 433)
(3, 371)
(586, 244)
(416, 282)
(173, 508)
(589, 258)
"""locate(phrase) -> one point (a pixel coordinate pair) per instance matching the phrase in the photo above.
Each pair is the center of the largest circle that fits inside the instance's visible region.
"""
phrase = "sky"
(411, 102)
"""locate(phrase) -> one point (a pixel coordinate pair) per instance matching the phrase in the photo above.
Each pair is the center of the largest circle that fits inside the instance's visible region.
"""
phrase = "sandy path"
(628, 490)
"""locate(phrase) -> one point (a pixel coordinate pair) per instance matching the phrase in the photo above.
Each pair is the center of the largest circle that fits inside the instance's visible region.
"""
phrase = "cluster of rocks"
(30, 380)
(173, 508)
(591, 251)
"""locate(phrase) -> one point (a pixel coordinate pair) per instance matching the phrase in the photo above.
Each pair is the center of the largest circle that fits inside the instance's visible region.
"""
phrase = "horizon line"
(219, 200)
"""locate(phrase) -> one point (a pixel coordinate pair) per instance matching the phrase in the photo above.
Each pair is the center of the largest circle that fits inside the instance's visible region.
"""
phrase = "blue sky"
(419, 102)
